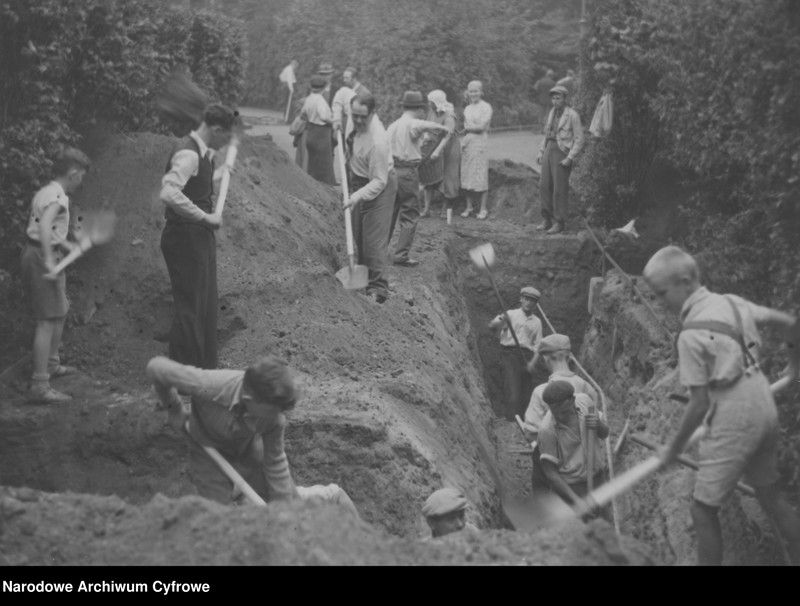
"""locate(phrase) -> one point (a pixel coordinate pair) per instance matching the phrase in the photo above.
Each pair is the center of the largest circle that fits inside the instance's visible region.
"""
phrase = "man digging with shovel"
(235, 430)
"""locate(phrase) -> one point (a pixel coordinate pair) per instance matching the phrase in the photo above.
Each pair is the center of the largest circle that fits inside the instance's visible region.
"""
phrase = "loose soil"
(397, 398)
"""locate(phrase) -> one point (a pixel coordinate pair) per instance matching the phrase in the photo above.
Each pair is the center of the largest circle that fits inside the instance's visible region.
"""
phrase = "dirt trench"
(397, 398)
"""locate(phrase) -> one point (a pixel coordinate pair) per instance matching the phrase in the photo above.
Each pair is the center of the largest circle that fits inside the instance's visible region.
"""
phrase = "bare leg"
(427, 194)
(484, 212)
(42, 344)
(784, 516)
(54, 361)
(470, 205)
(709, 534)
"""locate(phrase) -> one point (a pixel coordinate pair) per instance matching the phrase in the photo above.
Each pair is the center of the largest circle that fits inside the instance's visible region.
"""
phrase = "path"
(519, 146)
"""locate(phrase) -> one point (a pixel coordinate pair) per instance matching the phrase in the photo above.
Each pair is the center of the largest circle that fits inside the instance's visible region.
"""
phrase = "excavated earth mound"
(395, 400)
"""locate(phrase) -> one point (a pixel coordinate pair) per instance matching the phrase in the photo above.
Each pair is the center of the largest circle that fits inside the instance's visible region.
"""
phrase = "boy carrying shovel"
(718, 362)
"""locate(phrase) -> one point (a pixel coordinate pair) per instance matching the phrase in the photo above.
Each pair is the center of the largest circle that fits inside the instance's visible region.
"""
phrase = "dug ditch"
(397, 398)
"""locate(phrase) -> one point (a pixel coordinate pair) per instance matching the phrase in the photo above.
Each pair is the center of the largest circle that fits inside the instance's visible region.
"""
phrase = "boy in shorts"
(718, 361)
(46, 244)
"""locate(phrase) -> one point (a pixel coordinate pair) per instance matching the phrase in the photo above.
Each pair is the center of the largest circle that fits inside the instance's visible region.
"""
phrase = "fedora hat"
(325, 69)
(413, 99)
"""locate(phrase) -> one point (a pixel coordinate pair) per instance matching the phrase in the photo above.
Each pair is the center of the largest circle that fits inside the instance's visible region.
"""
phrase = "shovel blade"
(537, 511)
(353, 277)
(483, 255)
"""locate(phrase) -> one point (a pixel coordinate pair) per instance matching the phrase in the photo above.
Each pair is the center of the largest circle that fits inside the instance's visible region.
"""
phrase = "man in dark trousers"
(405, 141)
(188, 242)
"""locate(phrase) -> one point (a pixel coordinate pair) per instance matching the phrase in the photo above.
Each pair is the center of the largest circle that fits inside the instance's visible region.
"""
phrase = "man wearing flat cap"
(405, 142)
(445, 512)
(527, 327)
(563, 141)
(563, 441)
(238, 412)
(554, 352)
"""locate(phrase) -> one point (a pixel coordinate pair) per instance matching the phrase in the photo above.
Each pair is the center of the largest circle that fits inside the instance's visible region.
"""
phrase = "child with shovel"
(718, 362)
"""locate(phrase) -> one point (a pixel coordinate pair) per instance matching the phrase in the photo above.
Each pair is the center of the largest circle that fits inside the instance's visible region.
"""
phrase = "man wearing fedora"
(405, 141)
(527, 327)
(326, 71)
(319, 132)
(563, 141)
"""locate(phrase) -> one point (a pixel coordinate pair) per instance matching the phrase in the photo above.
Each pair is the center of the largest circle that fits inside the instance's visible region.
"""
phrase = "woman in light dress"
(474, 155)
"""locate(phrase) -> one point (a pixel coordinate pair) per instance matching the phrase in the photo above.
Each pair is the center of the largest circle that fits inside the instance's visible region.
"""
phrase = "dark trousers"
(190, 252)
(517, 382)
(371, 224)
(406, 211)
(554, 184)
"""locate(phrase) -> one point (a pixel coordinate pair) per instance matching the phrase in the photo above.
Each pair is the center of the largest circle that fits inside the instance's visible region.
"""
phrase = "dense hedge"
(407, 44)
(65, 63)
(712, 87)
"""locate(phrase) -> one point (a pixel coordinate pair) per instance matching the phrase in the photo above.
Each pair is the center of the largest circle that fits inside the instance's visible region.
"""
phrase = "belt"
(398, 163)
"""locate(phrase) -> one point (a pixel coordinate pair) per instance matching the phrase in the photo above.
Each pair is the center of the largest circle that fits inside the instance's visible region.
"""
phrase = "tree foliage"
(406, 44)
(64, 63)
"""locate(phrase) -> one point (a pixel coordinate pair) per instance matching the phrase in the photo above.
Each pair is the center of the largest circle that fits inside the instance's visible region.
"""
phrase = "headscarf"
(439, 100)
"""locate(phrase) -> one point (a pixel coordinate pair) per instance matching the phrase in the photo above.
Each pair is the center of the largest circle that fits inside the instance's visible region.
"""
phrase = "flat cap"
(557, 391)
(531, 293)
(444, 501)
(553, 343)
(559, 90)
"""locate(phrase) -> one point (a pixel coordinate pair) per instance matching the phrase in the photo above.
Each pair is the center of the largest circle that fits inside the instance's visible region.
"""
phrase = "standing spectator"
(528, 329)
(342, 101)
(542, 88)
(299, 140)
(373, 186)
(441, 172)
(46, 235)
(288, 78)
(405, 139)
(188, 242)
(569, 83)
(474, 156)
(319, 133)
(562, 142)
(326, 71)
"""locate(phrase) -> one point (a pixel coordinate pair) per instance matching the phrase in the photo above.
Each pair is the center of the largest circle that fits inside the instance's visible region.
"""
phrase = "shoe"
(424, 213)
(482, 215)
(377, 297)
(466, 213)
(557, 228)
(407, 263)
(544, 226)
(62, 371)
(48, 395)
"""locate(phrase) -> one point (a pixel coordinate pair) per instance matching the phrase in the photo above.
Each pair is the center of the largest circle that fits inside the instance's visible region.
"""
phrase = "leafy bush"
(64, 63)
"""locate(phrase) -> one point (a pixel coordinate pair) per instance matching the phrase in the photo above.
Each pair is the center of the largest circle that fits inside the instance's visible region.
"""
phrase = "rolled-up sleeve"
(378, 173)
(276, 464)
(184, 166)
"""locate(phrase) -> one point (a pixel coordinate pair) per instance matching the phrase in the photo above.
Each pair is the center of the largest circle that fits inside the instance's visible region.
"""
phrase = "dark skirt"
(319, 143)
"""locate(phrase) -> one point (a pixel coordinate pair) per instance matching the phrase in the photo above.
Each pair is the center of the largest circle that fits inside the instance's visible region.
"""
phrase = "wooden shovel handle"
(225, 182)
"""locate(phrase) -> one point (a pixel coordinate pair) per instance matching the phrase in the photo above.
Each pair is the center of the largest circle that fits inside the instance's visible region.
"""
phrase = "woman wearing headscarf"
(442, 170)
(474, 156)
(319, 132)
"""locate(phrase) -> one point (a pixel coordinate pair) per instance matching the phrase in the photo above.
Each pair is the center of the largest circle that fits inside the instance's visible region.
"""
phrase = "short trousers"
(47, 298)
(742, 441)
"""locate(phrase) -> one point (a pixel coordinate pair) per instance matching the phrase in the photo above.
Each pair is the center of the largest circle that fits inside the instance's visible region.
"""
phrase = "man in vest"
(405, 141)
(563, 141)
(528, 329)
(718, 363)
(188, 242)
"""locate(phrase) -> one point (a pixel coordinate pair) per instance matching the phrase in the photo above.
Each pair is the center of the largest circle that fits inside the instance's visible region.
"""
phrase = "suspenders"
(737, 334)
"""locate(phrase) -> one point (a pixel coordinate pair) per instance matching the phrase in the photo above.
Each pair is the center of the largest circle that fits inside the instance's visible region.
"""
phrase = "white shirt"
(287, 76)
(52, 193)
(185, 165)
(537, 409)
(316, 110)
(341, 107)
(371, 160)
(527, 328)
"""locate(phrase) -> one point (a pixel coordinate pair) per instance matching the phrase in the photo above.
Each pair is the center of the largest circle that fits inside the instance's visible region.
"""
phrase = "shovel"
(354, 276)
(483, 257)
(98, 228)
